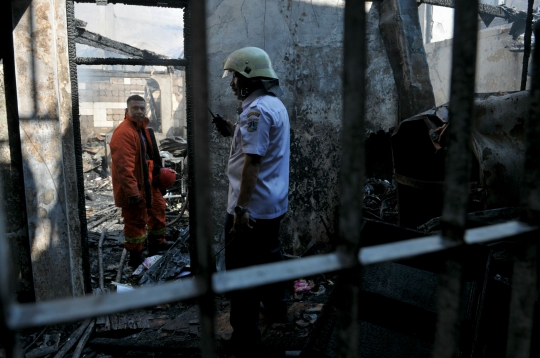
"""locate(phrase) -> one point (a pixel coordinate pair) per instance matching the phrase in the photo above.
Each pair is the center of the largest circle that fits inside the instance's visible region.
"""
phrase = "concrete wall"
(498, 69)
(304, 41)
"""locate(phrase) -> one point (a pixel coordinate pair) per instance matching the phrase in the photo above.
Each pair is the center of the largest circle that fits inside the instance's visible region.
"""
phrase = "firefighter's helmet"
(250, 62)
(167, 176)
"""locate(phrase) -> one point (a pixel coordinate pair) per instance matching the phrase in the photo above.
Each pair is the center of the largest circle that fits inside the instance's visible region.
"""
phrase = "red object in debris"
(167, 176)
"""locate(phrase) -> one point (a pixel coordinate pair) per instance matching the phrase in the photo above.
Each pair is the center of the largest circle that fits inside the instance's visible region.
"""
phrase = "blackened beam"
(21, 316)
(92, 39)
(155, 3)
(482, 8)
(130, 61)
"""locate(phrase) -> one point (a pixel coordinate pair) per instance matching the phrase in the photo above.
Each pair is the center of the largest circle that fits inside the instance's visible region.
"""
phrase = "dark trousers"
(255, 246)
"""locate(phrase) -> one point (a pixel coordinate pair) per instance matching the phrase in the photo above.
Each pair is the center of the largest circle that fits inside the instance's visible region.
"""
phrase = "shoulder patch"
(252, 124)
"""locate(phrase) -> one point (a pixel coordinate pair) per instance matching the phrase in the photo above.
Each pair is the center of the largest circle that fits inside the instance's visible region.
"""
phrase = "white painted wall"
(498, 69)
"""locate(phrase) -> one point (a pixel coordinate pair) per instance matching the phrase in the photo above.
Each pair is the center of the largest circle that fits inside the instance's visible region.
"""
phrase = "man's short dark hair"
(134, 97)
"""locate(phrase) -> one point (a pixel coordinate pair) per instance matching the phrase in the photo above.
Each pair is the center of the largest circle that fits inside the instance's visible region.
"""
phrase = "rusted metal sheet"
(44, 87)
(400, 28)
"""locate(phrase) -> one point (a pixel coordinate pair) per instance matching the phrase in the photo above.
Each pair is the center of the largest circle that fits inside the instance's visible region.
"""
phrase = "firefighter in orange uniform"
(142, 203)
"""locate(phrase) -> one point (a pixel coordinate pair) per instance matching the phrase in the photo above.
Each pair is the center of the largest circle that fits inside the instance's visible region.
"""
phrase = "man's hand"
(241, 223)
(133, 200)
(229, 124)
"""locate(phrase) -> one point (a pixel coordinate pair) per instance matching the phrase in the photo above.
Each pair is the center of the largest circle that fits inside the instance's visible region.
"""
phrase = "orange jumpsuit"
(132, 176)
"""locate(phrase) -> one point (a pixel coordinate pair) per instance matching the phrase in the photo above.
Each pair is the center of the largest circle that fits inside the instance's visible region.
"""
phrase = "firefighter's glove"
(134, 200)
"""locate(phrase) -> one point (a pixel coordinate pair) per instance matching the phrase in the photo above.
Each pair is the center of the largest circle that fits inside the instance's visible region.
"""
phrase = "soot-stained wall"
(304, 41)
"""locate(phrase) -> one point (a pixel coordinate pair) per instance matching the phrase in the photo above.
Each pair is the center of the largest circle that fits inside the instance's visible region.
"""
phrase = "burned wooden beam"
(400, 29)
(92, 39)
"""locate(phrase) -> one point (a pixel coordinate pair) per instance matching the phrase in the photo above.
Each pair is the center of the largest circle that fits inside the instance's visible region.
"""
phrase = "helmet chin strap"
(244, 92)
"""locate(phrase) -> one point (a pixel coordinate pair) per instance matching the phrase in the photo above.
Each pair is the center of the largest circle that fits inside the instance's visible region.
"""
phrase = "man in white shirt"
(258, 172)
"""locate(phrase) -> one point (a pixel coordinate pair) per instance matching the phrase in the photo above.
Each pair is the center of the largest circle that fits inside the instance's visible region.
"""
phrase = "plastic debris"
(303, 285)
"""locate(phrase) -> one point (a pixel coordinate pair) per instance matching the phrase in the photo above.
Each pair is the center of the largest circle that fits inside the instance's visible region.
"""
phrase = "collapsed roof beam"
(92, 39)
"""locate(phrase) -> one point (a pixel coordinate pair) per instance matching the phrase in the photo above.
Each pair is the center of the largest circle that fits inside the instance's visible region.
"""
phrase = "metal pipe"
(202, 174)
(527, 45)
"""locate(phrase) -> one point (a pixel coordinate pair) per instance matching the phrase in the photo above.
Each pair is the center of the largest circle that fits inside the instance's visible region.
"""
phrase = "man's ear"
(125, 113)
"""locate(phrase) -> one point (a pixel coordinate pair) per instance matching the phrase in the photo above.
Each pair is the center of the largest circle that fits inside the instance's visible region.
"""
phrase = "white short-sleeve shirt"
(263, 129)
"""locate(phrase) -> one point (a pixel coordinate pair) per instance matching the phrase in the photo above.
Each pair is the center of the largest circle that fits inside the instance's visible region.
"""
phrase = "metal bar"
(68, 310)
(524, 294)
(531, 193)
(458, 156)
(458, 168)
(70, 12)
(202, 175)
(425, 245)
(352, 176)
(72, 310)
(130, 61)
(527, 42)
(9, 338)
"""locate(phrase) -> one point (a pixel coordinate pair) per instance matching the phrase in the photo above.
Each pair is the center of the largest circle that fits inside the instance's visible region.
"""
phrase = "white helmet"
(250, 62)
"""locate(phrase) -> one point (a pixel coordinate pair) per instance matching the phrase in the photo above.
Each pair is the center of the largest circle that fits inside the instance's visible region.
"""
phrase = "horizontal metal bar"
(131, 61)
(68, 310)
(74, 309)
(420, 246)
(253, 276)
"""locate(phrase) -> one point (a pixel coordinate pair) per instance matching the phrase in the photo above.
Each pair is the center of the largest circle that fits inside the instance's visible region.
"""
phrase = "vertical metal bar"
(525, 276)
(8, 339)
(458, 156)
(201, 167)
(71, 31)
(531, 193)
(352, 174)
(527, 48)
(458, 167)
(188, 34)
(14, 197)
(524, 294)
